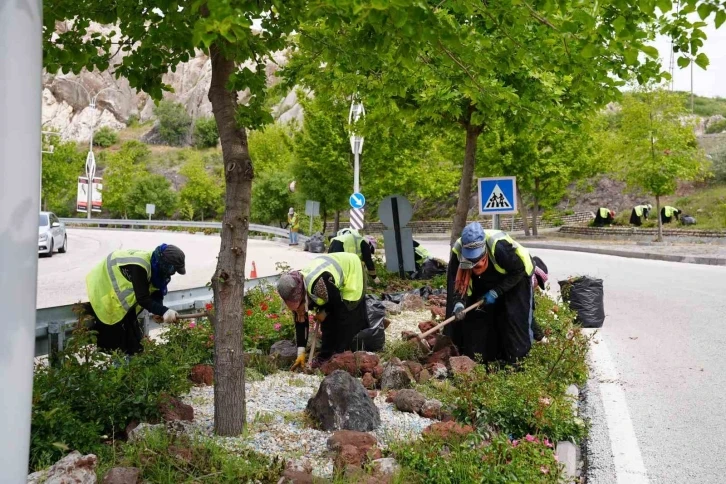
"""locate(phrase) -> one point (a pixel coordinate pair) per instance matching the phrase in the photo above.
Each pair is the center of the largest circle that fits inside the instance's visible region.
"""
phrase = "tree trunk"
(229, 276)
(523, 211)
(467, 174)
(660, 220)
(535, 208)
(336, 223)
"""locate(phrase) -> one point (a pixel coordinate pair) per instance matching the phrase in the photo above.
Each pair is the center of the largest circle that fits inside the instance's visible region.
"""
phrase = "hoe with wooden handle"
(422, 337)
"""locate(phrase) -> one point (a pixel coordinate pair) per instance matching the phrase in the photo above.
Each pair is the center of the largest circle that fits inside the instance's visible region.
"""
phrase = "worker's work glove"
(170, 316)
(490, 297)
(377, 280)
(459, 313)
(300, 360)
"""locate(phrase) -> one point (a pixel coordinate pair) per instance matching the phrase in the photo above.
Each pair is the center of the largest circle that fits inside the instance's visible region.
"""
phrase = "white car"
(51, 234)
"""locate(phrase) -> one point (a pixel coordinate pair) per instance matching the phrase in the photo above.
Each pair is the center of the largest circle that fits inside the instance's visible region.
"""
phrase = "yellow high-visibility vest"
(347, 274)
(351, 240)
(112, 295)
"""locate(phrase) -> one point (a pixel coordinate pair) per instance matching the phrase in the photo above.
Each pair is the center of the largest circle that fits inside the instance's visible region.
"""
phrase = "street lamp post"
(356, 144)
(90, 158)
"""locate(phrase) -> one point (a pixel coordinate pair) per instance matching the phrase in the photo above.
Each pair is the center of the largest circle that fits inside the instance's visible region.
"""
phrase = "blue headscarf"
(160, 270)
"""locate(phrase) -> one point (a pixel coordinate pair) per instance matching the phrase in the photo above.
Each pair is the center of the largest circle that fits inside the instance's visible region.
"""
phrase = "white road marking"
(629, 467)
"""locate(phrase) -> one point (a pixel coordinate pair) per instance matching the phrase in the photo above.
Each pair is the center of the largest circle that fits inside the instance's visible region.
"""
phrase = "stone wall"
(444, 226)
(623, 232)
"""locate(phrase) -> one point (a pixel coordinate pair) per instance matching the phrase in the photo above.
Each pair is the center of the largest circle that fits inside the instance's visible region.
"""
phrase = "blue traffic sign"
(357, 200)
(497, 196)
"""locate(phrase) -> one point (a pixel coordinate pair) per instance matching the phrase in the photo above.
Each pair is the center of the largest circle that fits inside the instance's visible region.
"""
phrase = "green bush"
(206, 134)
(105, 137)
(266, 319)
(156, 455)
(154, 189)
(133, 121)
(716, 127)
(174, 122)
(718, 166)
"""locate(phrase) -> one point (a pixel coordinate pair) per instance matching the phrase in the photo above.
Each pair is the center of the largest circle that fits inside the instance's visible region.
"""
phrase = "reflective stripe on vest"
(351, 242)
(346, 271)
(112, 295)
(604, 212)
(491, 238)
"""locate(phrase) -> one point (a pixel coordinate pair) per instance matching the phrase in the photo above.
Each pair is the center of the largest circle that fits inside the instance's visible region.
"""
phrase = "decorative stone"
(285, 351)
(409, 401)
(431, 409)
(343, 403)
(122, 475)
(461, 365)
(395, 376)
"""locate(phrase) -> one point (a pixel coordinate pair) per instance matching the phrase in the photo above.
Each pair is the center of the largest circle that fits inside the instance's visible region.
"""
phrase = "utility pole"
(21, 61)
(357, 215)
(691, 86)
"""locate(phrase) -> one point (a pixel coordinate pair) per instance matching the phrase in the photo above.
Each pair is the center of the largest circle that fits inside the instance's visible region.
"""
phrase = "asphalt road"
(61, 279)
(664, 331)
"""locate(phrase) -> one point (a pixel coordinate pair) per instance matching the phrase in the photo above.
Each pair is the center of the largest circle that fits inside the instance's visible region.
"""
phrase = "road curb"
(710, 261)
(569, 454)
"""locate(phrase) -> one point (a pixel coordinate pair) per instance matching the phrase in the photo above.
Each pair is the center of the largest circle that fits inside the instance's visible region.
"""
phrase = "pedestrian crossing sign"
(497, 196)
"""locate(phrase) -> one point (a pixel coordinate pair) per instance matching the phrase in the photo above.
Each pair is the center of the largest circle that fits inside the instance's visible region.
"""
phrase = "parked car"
(51, 234)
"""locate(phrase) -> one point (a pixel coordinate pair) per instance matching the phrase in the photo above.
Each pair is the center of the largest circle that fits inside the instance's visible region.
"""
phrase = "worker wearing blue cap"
(490, 266)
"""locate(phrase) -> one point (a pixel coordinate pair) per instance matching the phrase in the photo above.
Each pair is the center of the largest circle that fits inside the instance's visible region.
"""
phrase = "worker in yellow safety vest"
(668, 213)
(488, 265)
(639, 213)
(293, 223)
(333, 287)
(126, 282)
(352, 242)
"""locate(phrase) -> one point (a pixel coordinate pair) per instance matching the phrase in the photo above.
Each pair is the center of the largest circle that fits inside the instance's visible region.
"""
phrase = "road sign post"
(498, 196)
(150, 209)
(395, 212)
(356, 144)
(312, 209)
(357, 213)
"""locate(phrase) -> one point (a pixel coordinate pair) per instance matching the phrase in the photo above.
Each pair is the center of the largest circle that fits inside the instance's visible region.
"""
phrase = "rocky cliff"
(66, 106)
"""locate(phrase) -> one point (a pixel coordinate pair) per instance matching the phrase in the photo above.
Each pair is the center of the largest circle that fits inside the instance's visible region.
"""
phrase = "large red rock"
(365, 361)
(426, 325)
(341, 361)
(353, 448)
(172, 409)
(368, 381)
(447, 430)
(431, 409)
(461, 365)
(377, 372)
(438, 312)
(202, 375)
(415, 368)
(442, 356)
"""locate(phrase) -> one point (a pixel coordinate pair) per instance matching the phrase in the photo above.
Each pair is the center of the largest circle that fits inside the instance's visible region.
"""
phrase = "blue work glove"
(459, 313)
(490, 297)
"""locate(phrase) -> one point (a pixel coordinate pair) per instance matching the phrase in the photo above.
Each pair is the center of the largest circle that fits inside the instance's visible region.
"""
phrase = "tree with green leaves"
(60, 172)
(271, 198)
(658, 146)
(466, 64)
(123, 169)
(174, 122)
(150, 188)
(205, 133)
(201, 191)
(105, 137)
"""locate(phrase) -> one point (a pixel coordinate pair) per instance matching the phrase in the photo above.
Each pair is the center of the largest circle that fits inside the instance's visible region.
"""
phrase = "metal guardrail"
(52, 325)
(121, 223)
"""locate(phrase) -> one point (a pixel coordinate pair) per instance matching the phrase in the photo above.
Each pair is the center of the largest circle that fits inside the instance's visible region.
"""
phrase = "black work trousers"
(124, 336)
(344, 321)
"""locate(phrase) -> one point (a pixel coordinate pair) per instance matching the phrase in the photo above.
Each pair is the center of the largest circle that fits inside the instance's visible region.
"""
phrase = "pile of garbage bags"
(315, 244)
(372, 338)
(585, 295)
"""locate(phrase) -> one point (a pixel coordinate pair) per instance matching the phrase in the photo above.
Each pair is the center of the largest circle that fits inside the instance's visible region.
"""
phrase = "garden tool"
(191, 316)
(421, 338)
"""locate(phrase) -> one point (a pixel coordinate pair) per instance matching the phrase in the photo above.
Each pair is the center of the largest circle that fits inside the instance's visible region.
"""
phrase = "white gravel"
(406, 321)
(277, 426)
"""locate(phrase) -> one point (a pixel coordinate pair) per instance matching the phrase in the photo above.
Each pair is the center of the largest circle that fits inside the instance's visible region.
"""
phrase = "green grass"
(169, 459)
(705, 106)
(710, 200)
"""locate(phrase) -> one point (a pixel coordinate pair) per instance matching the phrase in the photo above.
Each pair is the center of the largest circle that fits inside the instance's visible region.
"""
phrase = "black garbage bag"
(315, 244)
(372, 338)
(688, 220)
(431, 268)
(585, 295)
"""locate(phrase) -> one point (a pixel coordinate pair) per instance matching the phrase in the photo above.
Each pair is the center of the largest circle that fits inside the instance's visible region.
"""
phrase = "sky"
(712, 81)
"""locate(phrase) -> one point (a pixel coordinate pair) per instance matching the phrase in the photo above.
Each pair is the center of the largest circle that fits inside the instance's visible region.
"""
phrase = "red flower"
(248, 312)
(274, 316)
(208, 306)
(264, 306)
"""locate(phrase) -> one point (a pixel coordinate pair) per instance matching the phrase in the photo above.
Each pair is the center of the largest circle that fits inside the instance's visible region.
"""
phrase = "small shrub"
(105, 137)
(266, 319)
(205, 133)
(716, 127)
(133, 121)
(174, 122)
(403, 350)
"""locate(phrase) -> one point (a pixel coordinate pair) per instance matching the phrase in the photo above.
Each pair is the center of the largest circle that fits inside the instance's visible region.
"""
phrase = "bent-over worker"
(352, 242)
(125, 283)
(639, 213)
(604, 216)
(420, 254)
(489, 265)
(668, 213)
(333, 286)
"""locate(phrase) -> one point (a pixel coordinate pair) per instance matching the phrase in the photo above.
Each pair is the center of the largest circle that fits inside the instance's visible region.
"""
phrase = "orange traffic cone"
(253, 273)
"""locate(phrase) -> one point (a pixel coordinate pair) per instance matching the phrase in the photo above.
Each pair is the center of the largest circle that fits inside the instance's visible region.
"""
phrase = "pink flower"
(544, 400)
(515, 443)
(278, 326)
(544, 470)
(530, 438)
(548, 443)
(192, 325)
